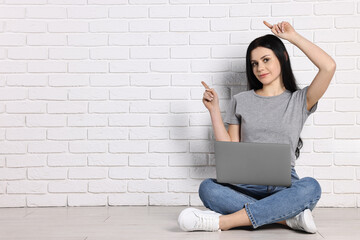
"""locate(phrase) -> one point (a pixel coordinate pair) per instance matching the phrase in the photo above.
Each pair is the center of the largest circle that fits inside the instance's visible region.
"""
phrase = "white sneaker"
(192, 219)
(303, 221)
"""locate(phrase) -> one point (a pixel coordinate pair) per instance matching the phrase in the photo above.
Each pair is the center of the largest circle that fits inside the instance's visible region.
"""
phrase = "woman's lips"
(263, 75)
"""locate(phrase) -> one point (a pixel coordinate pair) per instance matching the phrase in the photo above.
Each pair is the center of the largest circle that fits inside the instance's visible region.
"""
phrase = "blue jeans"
(263, 204)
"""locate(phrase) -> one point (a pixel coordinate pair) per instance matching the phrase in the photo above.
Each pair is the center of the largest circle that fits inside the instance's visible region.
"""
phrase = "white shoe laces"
(207, 222)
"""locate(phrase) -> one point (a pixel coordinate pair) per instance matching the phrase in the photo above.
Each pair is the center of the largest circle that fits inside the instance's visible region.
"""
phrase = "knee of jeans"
(313, 187)
(205, 189)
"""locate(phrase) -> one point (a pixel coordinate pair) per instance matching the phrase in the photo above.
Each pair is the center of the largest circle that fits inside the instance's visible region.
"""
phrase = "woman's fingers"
(268, 24)
(205, 85)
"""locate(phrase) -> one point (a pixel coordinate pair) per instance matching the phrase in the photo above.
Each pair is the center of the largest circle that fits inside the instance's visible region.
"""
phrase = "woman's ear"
(286, 56)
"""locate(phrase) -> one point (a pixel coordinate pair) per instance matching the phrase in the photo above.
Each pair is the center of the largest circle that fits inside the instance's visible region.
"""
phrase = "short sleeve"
(230, 116)
(302, 95)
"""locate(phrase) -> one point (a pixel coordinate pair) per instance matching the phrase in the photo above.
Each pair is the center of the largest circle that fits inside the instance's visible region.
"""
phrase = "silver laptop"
(253, 163)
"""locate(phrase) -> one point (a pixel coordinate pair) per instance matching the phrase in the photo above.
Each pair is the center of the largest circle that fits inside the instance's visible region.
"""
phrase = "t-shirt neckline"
(276, 96)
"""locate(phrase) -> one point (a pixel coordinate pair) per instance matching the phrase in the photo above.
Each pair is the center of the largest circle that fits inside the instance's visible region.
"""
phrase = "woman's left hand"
(283, 30)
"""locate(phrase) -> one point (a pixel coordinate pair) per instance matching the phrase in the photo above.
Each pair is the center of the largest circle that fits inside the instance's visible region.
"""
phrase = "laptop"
(253, 163)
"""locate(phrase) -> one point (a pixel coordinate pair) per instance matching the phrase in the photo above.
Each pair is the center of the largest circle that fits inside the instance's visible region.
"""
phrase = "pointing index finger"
(268, 24)
(205, 85)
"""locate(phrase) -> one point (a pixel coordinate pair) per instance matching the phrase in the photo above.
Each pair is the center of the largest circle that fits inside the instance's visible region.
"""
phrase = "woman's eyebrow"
(260, 58)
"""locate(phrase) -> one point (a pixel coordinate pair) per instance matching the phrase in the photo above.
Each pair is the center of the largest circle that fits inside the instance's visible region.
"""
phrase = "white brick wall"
(100, 100)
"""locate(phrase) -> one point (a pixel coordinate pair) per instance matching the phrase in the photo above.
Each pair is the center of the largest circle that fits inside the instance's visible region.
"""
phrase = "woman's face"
(265, 65)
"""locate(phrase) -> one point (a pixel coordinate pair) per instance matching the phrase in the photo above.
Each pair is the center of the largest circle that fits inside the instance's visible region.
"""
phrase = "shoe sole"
(185, 211)
(308, 218)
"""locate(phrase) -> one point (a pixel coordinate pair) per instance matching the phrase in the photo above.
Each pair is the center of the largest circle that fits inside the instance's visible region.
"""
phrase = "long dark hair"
(277, 46)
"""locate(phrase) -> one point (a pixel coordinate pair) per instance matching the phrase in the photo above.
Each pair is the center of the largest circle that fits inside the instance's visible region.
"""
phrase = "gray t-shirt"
(276, 119)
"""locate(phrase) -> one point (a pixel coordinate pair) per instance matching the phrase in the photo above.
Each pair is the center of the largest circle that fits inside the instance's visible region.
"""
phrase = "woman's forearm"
(316, 55)
(218, 125)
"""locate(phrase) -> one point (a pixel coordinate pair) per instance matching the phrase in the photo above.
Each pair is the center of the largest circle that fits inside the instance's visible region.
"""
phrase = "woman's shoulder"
(243, 94)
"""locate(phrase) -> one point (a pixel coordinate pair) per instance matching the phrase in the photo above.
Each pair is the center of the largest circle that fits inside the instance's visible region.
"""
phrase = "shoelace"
(206, 222)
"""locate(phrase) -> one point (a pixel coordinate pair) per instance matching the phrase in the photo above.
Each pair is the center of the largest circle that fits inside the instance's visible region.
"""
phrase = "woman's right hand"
(210, 98)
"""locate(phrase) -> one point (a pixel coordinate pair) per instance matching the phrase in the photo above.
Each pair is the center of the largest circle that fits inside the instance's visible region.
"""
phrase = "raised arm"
(317, 56)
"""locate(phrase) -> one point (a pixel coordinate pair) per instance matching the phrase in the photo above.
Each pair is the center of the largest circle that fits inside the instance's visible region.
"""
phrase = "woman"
(273, 110)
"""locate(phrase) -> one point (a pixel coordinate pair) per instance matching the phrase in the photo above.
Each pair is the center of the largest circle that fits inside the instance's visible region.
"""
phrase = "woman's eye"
(253, 64)
(266, 59)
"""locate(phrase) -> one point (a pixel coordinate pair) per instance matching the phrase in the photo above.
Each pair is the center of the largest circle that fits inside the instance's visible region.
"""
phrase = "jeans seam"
(251, 217)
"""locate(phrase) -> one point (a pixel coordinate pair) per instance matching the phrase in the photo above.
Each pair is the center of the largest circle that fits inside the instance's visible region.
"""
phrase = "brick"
(129, 199)
(169, 173)
(190, 52)
(28, 26)
(47, 201)
(189, 133)
(12, 201)
(129, 66)
(346, 145)
(202, 172)
(210, 66)
(150, 79)
(67, 160)
(169, 38)
(89, 39)
(253, 10)
(334, 8)
(25, 107)
(169, 12)
(66, 134)
(25, 2)
(128, 39)
(47, 173)
(87, 173)
(168, 199)
(47, 67)
(346, 173)
(109, 80)
(228, 52)
(108, 107)
(149, 107)
(12, 121)
(12, 174)
(347, 22)
(229, 24)
(42, 12)
(12, 12)
(347, 132)
(67, 107)
(77, 200)
(109, 53)
(26, 187)
(147, 186)
(307, 23)
(346, 77)
(107, 186)
(69, 26)
(149, 52)
(88, 94)
(129, 173)
(291, 9)
(13, 94)
(347, 186)
(169, 66)
(148, 133)
(188, 160)
(209, 11)
(21, 134)
(107, 2)
(107, 160)
(189, 1)
(205, 38)
(44, 40)
(326, 186)
(88, 66)
(13, 67)
(337, 200)
(47, 94)
(201, 146)
(13, 39)
(315, 159)
(322, 146)
(347, 105)
(27, 53)
(128, 12)
(32, 160)
(148, 26)
(148, 160)
(87, 147)
(112, 26)
(342, 35)
(107, 133)
(334, 119)
(40, 120)
(88, 12)
(189, 25)
(181, 186)
(184, 79)
(317, 132)
(47, 147)
(344, 63)
(129, 93)
(180, 107)
(345, 159)
(169, 120)
(168, 146)
(129, 120)
(69, 53)
(148, 1)
(169, 93)
(128, 147)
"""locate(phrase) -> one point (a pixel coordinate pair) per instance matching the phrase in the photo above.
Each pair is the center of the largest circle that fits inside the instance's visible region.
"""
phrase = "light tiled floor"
(89, 223)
